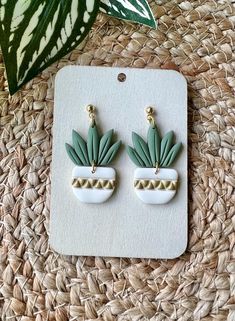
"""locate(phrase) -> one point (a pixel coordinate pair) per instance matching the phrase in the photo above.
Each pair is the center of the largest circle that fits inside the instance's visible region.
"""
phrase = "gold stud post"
(91, 110)
(150, 112)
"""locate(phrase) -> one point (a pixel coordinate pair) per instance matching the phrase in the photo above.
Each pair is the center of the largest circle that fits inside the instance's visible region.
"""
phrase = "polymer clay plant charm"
(154, 181)
(92, 180)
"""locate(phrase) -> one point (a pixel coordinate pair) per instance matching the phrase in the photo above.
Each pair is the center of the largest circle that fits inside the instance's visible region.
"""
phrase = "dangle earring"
(154, 181)
(92, 180)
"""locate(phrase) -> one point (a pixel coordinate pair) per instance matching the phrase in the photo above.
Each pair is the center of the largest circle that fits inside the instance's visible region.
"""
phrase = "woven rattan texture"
(197, 38)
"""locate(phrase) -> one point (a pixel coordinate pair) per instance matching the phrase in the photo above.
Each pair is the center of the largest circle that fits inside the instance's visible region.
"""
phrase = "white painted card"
(123, 226)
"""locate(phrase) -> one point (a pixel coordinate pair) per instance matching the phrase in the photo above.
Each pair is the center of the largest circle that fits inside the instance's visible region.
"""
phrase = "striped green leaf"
(154, 145)
(72, 155)
(111, 153)
(132, 10)
(93, 144)
(105, 143)
(166, 144)
(171, 156)
(142, 149)
(135, 157)
(36, 33)
(79, 145)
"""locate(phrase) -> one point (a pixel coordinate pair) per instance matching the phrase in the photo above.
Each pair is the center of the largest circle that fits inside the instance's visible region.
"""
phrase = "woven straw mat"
(197, 38)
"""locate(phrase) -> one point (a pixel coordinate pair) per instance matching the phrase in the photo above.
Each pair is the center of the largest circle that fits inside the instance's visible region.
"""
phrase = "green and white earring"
(154, 181)
(92, 180)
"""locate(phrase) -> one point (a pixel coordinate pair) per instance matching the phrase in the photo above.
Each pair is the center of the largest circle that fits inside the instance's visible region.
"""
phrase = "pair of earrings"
(94, 182)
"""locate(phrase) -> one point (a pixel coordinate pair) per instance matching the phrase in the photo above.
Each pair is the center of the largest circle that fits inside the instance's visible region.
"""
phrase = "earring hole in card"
(121, 77)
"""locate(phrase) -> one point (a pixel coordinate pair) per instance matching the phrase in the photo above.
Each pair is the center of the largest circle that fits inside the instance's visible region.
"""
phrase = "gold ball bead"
(149, 110)
(90, 108)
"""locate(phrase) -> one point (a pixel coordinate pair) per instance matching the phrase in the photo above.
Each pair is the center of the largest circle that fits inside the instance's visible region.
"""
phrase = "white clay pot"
(155, 188)
(94, 187)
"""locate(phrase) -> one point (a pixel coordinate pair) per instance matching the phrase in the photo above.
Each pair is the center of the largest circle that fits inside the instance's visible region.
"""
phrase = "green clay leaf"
(173, 153)
(111, 153)
(72, 155)
(93, 145)
(166, 145)
(142, 149)
(79, 145)
(36, 33)
(105, 143)
(154, 145)
(132, 10)
(135, 157)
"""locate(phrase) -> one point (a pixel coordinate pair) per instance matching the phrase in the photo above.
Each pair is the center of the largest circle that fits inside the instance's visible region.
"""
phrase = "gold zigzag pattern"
(156, 184)
(93, 183)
